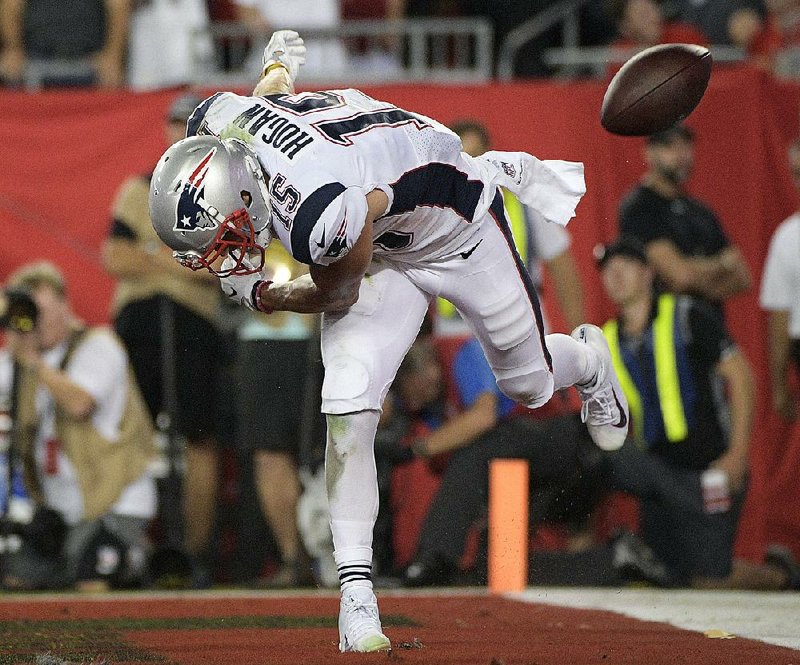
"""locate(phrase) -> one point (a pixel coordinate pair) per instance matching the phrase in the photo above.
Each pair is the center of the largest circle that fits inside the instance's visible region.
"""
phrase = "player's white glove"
(287, 48)
(240, 288)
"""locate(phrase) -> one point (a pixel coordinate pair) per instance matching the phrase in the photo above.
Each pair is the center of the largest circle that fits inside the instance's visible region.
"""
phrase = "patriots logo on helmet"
(190, 214)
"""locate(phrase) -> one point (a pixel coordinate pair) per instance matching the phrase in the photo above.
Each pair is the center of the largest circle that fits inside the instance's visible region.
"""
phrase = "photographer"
(83, 440)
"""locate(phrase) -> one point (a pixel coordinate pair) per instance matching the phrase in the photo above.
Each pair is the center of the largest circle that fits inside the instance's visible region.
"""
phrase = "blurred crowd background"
(224, 483)
(146, 44)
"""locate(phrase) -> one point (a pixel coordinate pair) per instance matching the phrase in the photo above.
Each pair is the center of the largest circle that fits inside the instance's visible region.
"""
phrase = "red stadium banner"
(65, 153)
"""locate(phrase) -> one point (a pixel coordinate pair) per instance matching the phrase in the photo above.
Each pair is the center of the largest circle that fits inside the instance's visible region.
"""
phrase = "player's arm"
(284, 55)
(328, 287)
(274, 81)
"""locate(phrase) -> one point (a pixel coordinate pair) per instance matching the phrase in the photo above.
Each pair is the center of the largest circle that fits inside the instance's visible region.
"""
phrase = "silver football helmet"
(209, 200)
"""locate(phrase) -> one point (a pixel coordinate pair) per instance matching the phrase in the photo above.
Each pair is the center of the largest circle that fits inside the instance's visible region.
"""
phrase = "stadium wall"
(65, 153)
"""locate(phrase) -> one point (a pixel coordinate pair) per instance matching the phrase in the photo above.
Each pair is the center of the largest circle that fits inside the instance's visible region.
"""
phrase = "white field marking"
(772, 617)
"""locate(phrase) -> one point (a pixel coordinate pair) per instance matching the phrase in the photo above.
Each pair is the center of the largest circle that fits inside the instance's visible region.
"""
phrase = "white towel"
(550, 188)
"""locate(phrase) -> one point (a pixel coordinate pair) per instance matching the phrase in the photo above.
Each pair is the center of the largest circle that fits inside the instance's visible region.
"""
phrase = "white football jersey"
(324, 151)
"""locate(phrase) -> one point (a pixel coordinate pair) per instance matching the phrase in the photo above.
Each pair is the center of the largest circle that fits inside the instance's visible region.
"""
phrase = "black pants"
(555, 448)
(674, 523)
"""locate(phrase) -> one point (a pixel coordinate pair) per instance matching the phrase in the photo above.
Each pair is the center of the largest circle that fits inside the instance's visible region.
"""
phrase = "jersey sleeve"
(197, 125)
(327, 223)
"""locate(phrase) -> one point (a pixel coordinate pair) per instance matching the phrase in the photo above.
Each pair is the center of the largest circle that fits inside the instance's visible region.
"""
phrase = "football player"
(389, 213)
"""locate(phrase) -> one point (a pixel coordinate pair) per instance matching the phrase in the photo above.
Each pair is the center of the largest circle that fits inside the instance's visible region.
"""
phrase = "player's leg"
(494, 293)
(362, 349)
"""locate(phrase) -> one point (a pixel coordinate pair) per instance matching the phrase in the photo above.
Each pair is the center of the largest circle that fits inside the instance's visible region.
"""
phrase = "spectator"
(153, 290)
(41, 37)
(786, 18)
(683, 238)
(85, 442)
(377, 55)
(641, 23)
(687, 458)
(745, 24)
(488, 426)
(168, 42)
(780, 296)
(326, 57)
(273, 371)
(539, 243)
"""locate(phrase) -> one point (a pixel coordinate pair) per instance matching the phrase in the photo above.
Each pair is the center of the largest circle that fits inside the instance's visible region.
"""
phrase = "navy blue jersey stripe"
(498, 211)
(307, 215)
(199, 114)
(436, 185)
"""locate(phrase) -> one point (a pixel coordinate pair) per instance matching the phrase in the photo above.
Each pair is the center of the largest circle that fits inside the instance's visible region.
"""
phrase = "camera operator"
(83, 440)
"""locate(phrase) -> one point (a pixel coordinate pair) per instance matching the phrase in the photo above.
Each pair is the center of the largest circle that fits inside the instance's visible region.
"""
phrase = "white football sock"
(573, 362)
(352, 485)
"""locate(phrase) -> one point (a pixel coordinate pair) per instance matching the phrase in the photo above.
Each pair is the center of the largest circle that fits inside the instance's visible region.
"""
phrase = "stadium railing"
(449, 50)
(571, 59)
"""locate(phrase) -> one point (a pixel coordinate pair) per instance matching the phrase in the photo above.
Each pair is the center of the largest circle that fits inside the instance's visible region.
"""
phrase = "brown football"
(655, 89)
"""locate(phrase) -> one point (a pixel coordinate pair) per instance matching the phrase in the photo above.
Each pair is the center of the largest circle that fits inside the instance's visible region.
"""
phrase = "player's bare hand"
(287, 48)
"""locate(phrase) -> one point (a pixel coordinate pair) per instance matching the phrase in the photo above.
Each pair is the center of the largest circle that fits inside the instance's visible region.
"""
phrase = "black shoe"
(781, 557)
(428, 570)
(634, 561)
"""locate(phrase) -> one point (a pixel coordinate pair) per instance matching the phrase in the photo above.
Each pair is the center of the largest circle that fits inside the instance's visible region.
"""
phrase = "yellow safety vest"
(519, 230)
(673, 413)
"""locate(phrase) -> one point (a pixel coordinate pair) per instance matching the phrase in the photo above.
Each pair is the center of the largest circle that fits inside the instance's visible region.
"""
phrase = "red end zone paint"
(462, 629)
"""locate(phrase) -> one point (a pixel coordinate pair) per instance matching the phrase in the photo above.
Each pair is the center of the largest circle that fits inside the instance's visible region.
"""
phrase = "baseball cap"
(623, 246)
(182, 107)
(667, 136)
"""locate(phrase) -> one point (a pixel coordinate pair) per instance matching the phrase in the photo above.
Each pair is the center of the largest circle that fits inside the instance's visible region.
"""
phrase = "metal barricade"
(455, 50)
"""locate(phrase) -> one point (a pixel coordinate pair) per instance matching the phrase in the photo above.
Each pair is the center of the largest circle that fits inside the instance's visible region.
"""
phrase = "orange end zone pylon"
(508, 525)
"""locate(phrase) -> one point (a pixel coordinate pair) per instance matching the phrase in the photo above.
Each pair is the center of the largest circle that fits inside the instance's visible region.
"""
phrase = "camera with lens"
(18, 310)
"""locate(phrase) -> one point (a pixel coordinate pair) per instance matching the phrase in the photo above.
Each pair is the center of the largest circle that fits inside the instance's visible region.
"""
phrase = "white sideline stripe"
(772, 617)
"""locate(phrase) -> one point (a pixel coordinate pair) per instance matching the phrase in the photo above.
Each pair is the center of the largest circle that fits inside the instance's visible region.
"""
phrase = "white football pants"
(363, 347)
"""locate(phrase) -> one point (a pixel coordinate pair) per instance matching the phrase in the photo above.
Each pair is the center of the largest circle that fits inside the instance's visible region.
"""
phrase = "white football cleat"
(604, 409)
(359, 623)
